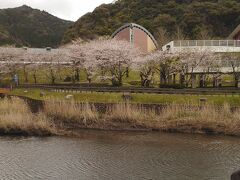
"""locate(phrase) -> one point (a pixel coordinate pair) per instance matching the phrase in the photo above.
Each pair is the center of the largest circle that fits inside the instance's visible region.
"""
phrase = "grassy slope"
(137, 98)
(67, 118)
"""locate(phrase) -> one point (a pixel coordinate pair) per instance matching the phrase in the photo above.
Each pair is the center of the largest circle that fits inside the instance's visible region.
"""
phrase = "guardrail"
(75, 89)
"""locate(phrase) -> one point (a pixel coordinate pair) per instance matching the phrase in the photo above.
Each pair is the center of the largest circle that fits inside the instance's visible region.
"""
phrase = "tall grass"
(58, 115)
(129, 113)
(71, 112)
(184, 118)
(201, 119)
(16, 118)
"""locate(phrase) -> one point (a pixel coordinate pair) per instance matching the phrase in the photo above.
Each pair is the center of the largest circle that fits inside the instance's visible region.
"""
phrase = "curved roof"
(132, 25)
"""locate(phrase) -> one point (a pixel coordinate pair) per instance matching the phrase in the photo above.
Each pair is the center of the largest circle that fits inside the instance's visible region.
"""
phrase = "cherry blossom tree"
(115, 56)
(5, 56)
(56, 59)
(145, 64)
(212, 66)
(168, 65)
(33, 63)
(233, 60)
(82, 56)
(164, 63)
(112, 55)
(192, 62)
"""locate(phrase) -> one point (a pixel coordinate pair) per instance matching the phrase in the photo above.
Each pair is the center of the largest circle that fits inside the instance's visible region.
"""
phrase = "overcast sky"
(65, 9)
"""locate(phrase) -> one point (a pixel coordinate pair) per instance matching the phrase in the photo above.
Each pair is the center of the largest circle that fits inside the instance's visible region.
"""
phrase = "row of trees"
(112, 60)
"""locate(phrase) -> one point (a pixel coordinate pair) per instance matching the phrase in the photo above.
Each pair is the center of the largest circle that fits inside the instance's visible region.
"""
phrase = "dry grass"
(206, 119)
(173, 118)
(16, 118)
(128, 113)
(71, 112)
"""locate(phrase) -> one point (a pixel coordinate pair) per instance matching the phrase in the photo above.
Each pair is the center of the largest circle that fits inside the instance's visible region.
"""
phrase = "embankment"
(61, 117)
(171, 118)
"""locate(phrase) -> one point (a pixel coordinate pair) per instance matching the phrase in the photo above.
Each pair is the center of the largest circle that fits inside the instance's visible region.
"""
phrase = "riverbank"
(16, 118)
(61, 117)
(134, 98)
(123, 116)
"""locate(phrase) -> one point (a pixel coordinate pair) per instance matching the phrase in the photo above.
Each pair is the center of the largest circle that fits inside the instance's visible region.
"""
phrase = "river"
(120, 155)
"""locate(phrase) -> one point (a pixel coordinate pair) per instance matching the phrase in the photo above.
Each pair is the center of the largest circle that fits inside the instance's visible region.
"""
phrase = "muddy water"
(114, 155)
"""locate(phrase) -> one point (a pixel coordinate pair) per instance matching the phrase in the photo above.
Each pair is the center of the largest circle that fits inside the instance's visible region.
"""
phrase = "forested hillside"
(24, 26)
(166, 19)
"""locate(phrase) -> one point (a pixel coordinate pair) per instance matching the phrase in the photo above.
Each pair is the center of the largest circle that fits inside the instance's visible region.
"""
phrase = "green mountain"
(165, 19)
(24, 26)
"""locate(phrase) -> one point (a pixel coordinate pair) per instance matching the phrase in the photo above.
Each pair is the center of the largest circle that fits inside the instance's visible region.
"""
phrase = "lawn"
(99, 97)
(132, 80)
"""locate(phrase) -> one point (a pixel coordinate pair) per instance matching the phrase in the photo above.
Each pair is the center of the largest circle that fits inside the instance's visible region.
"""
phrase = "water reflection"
(114, 155)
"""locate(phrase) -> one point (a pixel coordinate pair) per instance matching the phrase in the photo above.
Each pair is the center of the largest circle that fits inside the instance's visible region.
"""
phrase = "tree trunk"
(102, 71)
(170, 79)
(77, 74)
(162, 80)
(89, 80)
(182, 80)
(142, 80)
(53, 80)
(202, 81)
(120, 80)
(214, 82)
(174, 79)
(127, 72)
(187, 81)
(25, 74)
(52, 76)
(120, 75)
(193, 80)
(35, 78)
(236, 81)
(217, 81)
(26, 78)
(73, 79)
(145, 82)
